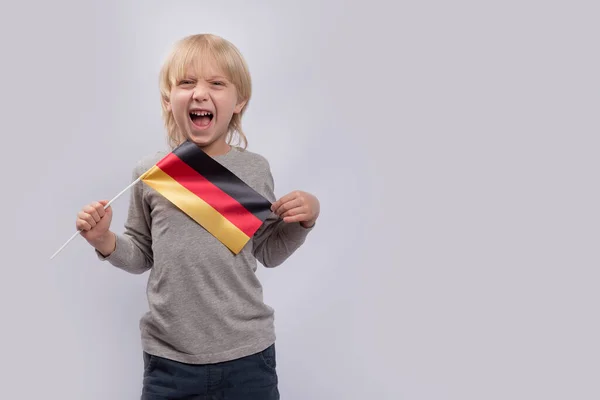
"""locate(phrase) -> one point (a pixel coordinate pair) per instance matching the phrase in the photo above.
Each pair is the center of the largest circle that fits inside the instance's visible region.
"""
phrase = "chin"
(201, 140)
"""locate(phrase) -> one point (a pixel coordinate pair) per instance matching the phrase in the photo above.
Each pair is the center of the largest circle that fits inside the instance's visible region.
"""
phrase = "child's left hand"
(297, 206)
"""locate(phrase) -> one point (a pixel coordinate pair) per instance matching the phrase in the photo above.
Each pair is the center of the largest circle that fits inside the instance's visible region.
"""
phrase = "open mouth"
(201, 119)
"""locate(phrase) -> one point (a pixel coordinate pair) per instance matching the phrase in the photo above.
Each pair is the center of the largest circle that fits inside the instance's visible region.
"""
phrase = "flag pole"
(105, 207)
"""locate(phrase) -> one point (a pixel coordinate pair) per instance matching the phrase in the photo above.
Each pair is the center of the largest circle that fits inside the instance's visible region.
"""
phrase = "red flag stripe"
(211, 194)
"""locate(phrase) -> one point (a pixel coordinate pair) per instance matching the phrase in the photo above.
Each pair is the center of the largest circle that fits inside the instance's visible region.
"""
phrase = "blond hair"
(195, 49)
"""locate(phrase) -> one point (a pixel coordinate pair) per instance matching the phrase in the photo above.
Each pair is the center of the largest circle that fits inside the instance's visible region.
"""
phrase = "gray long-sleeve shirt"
(205, 303)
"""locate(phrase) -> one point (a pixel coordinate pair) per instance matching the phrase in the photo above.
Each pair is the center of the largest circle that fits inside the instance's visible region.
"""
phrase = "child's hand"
(298, 207)
(94, 221)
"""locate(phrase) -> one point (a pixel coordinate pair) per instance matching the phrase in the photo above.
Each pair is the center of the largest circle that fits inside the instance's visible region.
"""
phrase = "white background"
(453, 146)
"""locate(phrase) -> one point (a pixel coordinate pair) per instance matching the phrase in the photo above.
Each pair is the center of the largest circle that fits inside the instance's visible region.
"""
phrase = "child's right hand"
(94, 221)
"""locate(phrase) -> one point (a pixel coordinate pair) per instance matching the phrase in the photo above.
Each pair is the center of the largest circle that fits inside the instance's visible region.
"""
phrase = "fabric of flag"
(210, 194)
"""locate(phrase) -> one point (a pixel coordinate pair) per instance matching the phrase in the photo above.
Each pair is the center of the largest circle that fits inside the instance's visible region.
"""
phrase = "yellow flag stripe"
(196, 208)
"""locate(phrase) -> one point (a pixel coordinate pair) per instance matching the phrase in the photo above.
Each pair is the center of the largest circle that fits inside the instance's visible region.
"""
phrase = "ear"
(166, 103)
(239, 106)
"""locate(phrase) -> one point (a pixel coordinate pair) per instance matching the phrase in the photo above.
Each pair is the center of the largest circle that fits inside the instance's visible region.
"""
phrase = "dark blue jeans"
(249, 378)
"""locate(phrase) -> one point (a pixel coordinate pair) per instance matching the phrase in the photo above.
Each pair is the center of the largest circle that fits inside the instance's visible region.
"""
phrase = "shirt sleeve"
(133, 251)
(276, 241)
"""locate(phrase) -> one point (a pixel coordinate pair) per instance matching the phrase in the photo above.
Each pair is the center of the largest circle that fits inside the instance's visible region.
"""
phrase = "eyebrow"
(208, 78)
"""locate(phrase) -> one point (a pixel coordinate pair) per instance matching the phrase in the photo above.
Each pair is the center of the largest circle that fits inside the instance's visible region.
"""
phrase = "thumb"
(104, 203)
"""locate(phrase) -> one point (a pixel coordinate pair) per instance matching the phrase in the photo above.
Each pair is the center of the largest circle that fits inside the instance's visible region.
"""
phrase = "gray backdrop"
(454, 148)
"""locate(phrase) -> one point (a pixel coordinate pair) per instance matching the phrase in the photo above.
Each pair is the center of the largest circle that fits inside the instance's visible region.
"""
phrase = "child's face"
(202, 105)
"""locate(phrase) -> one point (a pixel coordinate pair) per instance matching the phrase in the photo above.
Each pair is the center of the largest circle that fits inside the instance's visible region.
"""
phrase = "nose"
(200, 92)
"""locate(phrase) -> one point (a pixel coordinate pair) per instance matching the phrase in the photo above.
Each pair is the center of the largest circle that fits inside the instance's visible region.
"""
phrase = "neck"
(216, 149)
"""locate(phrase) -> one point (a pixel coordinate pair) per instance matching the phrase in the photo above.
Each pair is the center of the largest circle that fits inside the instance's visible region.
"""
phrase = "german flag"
(210, 194)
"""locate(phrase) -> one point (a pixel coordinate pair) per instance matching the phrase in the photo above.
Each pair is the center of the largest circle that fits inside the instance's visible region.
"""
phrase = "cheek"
(226, 100)
(178, 105)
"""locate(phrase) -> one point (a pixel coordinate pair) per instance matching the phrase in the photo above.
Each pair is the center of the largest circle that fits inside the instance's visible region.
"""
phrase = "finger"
(294, 211)
(92, 212)
(99, 209)
(82, 225)
(284, 199)
(296, 218)
(288, 206)
(87, 218)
